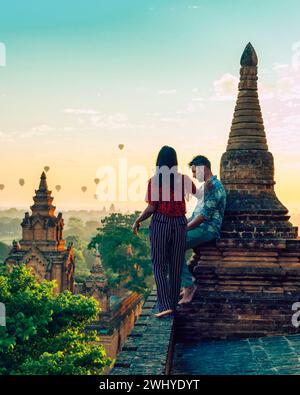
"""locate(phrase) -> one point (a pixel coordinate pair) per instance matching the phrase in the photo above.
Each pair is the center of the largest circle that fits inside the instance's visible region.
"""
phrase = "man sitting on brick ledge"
(205, 224)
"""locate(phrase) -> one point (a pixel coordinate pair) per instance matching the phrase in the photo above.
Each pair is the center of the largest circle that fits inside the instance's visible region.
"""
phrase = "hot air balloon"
(84, 189)
(96, 180)
(121, 146)
(58, 188)
(2, 186)
(21, 181)
(46, 168)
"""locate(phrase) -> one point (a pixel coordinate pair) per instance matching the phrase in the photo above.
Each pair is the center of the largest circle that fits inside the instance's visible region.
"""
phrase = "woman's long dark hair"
(167, 156)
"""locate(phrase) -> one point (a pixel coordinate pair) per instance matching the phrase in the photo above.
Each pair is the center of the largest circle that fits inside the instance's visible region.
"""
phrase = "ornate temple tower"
(249, 279)
(42, 247)
(247, 168)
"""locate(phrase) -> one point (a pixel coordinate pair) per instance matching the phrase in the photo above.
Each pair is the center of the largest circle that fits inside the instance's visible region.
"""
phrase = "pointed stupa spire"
(247, 130)
(97, 272)
(43, 182)
(247, 167)
(249, 57)
(43, 199)
(97, 266)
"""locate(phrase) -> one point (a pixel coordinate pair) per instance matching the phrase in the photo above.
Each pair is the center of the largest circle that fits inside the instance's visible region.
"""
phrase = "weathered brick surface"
(149, 345)
(227, 315)
(270, 356)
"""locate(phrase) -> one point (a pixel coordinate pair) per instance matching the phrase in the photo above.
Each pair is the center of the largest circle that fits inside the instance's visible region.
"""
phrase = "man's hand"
(136, 227)
(189, 226)
(198, 220)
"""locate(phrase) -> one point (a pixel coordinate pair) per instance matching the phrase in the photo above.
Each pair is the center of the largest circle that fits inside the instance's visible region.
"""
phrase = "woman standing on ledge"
(166, 194)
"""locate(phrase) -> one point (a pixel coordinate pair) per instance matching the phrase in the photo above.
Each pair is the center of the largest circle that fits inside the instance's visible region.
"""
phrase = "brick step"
(224, 315)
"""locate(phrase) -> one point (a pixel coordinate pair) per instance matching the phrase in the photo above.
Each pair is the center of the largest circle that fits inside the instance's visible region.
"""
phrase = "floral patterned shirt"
(213, 207)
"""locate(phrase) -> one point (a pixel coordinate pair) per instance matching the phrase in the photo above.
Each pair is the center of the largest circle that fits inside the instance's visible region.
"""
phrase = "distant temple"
(42, 247)
(96, 285)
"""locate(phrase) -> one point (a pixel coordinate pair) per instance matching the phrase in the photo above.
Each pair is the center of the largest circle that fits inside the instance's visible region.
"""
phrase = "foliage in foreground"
(4, 251)
(44, 333)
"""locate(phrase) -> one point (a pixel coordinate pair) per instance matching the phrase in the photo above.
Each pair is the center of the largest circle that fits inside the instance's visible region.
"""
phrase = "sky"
(82, 77)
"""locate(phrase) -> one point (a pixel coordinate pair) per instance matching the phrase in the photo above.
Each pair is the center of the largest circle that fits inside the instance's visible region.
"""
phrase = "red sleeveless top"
(174, 205)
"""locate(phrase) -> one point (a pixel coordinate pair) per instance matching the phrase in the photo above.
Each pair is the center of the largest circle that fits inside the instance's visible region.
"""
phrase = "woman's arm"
(149, 210)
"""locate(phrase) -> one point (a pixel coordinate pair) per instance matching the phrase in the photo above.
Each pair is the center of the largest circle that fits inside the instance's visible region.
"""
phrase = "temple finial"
(43, 183)
(247, 129)
(249, 57)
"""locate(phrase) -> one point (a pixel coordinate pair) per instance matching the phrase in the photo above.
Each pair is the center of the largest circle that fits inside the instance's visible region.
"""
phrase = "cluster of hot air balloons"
(21, 183)
(58, 187)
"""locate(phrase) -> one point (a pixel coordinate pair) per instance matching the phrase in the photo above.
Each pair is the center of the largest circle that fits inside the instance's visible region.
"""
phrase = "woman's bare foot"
(163, 313)
(188, 294)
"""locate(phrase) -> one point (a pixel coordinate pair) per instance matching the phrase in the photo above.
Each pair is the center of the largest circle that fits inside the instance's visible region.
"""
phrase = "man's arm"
(211, 201)
(196, 221)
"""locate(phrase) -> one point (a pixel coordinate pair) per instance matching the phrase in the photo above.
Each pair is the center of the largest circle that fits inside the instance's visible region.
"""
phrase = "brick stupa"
(42, 247)
(249, 279)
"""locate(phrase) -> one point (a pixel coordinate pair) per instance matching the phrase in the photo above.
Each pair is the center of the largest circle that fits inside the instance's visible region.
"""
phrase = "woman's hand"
(136, 227)
(149, 210)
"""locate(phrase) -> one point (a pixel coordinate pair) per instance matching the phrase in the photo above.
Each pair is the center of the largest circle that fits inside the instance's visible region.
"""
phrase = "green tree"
(84, 258)
(125, 256)
(4, 251)
(44, 333)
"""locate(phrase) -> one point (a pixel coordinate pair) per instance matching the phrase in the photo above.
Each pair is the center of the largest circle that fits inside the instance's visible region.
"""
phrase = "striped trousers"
(168, 239)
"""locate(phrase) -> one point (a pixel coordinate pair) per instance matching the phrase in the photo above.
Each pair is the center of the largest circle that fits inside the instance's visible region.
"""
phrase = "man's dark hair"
(200, 160)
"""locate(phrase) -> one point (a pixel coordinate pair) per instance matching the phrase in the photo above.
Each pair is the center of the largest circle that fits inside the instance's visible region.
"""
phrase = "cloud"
(194, 105)
(225, 88)
(167, 92)
(194, 7)
(110, 121)
(12, 136)
(6, 137)
(282, 101)
(93, 119)
(80, 111)
(39, 130)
